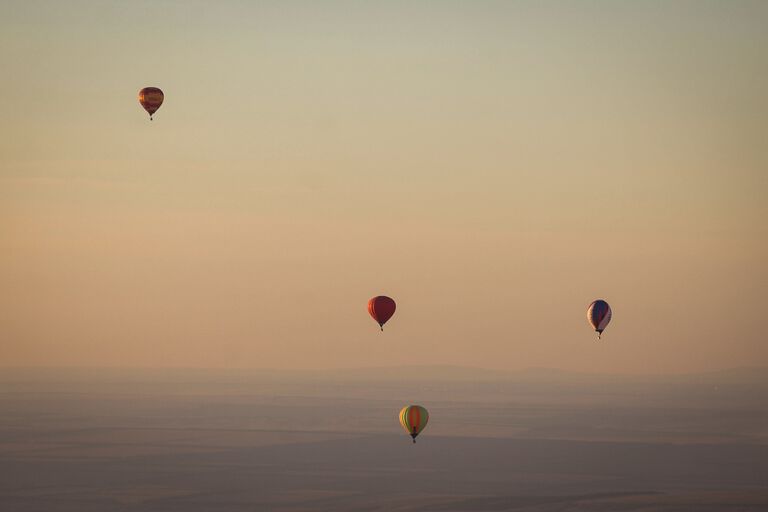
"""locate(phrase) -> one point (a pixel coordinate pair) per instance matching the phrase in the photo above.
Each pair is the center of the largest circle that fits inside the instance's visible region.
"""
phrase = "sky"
(492, 166)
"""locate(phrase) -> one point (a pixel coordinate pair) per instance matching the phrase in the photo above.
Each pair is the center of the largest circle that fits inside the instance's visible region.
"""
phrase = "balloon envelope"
(381, 308)
(599, 315)
(413, 418)
(151, 98)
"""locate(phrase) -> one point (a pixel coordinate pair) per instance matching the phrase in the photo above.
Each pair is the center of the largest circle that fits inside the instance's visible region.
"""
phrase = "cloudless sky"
(493, 166)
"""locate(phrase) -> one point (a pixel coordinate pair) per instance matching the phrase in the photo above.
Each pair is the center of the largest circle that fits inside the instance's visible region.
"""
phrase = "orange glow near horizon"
(493, 168)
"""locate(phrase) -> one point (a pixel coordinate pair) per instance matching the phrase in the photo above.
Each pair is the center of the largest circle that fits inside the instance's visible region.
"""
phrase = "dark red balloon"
(381, 308)
(151, 98)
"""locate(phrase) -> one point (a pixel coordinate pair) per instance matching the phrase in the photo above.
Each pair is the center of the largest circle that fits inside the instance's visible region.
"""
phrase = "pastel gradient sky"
(493, 166)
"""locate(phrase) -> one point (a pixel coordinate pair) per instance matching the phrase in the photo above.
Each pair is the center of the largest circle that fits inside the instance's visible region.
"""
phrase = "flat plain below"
(539, 440)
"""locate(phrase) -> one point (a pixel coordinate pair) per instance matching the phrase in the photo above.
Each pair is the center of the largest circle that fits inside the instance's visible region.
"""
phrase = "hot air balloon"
(381, 308)
(414, 418)
(151, 98)
(598, 315)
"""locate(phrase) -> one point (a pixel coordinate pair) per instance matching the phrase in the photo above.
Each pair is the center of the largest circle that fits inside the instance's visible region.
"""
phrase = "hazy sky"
(493, 166)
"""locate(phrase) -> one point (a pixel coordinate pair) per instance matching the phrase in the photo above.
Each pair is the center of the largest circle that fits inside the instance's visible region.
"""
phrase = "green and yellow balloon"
(414, 418)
